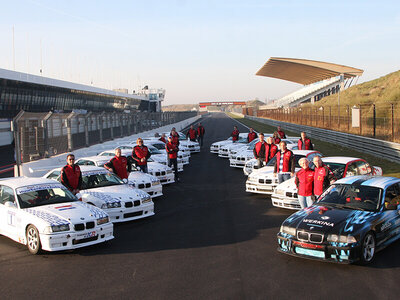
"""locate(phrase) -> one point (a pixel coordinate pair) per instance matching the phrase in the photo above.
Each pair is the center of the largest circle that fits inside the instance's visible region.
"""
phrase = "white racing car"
(183, 154)
(263, 181)
(43, 215)
(192, 146)
(224, 150)
(214, 148)
(285, 194)
(105, 190)
(143, 181)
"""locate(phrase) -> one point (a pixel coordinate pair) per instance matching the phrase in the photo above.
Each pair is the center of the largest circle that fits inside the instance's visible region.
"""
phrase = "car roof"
(339, 159)
(373, 181)
(16, 182)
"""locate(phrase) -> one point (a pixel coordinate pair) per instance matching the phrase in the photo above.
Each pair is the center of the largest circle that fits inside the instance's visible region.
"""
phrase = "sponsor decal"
(64, 207)
(386, 225)
(96, 172)
(38, 187)
(325, 218)
(318, 222)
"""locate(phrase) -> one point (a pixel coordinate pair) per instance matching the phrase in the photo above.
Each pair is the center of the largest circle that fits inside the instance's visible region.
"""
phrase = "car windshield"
(154, 150)
(91, 181)
(44, 197)
(336, 168)
(160, 146)
(351, 196)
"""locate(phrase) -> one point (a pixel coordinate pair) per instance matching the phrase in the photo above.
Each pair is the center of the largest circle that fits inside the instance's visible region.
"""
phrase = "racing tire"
(368, 248)
(33, 240)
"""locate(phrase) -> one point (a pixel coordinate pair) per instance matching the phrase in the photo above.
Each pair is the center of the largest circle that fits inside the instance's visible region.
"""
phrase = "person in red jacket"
(276, 138)
(270, 150)
(252, 135)
(71, 175)
(119, 165)
(281, 133)
(175, 136)
(304, 142)
(304, 181)
(323, 177)
(140, 155)
(284, 164)
(191, 134)
(235, 134)
(172, 151)
(200, 133)
(162, 138)
(259, 150)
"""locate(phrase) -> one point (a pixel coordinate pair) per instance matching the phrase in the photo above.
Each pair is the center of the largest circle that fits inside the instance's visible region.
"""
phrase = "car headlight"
(341, 238)
(155, 182)
(146, 199)
(111, 204)
(280, 192)
(103, 220)
(169, 171)
(288, 230)
(56, 228)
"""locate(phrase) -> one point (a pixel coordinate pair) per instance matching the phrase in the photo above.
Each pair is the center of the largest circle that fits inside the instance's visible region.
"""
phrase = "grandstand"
(320, 79)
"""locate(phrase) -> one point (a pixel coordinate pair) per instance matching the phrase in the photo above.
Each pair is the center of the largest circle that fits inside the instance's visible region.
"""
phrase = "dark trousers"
(174, 163)
(200, 140)
(143, 168)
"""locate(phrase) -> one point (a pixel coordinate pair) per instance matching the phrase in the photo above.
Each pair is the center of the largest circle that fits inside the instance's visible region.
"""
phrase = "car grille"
(291, 195)
(87, 240)
(160, 173)
(310, 237)
(82, 226)
(133, 214)
(142, 185)
(130, 203)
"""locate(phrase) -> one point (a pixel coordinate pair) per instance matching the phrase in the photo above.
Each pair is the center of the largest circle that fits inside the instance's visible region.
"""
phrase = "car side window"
(54, 175)
(392, 197)
(6, 194)
(352, 169)
(362, 168)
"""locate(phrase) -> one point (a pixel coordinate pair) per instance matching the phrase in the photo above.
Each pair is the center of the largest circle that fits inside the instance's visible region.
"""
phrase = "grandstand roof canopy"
(305, 71)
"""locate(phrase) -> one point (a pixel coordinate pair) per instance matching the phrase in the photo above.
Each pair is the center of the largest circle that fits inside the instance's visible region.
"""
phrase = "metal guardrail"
(378, 148)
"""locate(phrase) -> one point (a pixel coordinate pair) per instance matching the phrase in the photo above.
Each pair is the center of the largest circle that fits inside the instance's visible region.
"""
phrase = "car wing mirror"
(10, 204)
(125, 180)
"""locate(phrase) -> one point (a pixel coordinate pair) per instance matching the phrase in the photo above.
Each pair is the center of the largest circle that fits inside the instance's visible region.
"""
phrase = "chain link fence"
(376, 121)
(41, 135)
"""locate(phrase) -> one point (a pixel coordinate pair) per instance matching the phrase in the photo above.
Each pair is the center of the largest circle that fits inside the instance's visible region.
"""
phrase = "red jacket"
(140, 152)
(235, 135)
(71, 177)
(162, 139)
(192, 134)
(276, 140)
(288, 162)
(282, 134)
(172, 150)
(304, 181)
(120, 166)
(251, 136)
(322, 179)
(201, 131)
(307, 143)
(259, 150)
(175, 138)
(270, 151)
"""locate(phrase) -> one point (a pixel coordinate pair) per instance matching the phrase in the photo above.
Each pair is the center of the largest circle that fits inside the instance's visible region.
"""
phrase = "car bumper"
(154, 191)
(132, 213)
(223, 154)
(74, 240)
(214, 150)
(260, 188)
(285, 202)
(344, 254)
(236, 163)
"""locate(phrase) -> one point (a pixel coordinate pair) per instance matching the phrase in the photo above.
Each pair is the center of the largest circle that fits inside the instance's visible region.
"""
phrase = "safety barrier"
(378, 148)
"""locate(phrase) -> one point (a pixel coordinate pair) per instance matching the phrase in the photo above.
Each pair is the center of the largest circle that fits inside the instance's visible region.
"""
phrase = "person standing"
(119, 165)
(191, 134)
(71, 175)
(140, 155)
(175, 136)
(200, 133)
(252, 135)
(304, 181)
(323, 177)
(284, 164)
(259, 150)
(276, 138)
(270, 150)
(172, 151)
(304, 142)
(235, 134)
(281, 133)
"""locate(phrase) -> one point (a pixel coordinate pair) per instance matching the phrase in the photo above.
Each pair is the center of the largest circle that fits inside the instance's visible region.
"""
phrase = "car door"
(389, 227)
(8, 211)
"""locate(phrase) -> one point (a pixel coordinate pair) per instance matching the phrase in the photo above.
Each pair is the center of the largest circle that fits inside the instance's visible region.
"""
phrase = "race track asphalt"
(209, 239)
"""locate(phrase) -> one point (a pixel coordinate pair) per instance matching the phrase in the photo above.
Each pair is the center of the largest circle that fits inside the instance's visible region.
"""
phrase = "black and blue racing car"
(352, 220)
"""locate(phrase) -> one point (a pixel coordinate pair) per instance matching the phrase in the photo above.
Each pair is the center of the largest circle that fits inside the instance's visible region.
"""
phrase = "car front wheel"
(368, 248)
(33, 240)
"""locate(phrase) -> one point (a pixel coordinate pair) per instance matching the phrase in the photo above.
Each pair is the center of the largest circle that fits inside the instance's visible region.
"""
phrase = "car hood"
(115, 193)
(288, 185)
(65, 213)
(141, 177)
(157, 167)
(329, 220)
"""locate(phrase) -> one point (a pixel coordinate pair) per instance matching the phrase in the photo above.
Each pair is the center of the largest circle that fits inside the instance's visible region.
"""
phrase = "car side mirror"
(125, 180)
(10, 204)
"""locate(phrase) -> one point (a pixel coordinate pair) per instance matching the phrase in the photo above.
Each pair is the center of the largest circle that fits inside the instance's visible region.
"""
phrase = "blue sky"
(196, 50)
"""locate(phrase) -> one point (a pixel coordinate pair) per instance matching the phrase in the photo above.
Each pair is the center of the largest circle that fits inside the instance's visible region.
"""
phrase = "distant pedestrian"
(284, 164)
(119, 165)
(270, 150)
(235, 134)
(259, 150)
(323, 177)
(172, 152)
(200, 134)
(71, 176)
(304, 142)
(281, 133)
(140, 155)
(251, 136)
(276, 138)
(304, 181)
(191, 134)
